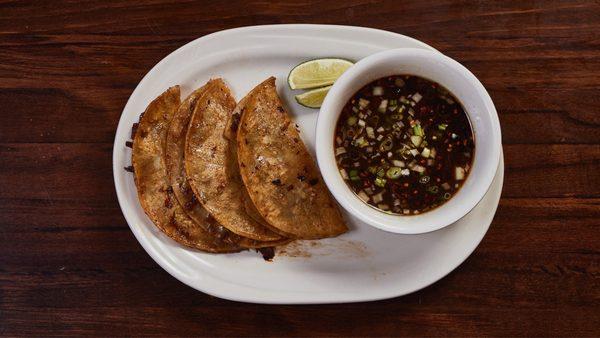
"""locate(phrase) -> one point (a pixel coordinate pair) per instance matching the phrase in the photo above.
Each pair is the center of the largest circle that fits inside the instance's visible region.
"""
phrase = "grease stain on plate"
(338, 247)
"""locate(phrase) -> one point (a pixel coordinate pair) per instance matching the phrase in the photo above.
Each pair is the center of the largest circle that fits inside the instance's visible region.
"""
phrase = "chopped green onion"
(372, 170)
(386, 144)
(442, 126)
(394, 172)
(418, 130)
(433, 189)
(381, 172)
(351, 120)
(424, 179)
(380, 182)
(447, 196)
(354, 175)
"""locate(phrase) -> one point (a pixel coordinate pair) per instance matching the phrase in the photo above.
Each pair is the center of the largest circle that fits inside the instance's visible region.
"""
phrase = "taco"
(174, 156)
(280, 175)
(154, 191)
(211, 169)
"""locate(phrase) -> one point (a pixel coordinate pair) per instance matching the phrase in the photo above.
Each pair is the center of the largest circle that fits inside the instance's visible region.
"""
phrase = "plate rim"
(256, 297)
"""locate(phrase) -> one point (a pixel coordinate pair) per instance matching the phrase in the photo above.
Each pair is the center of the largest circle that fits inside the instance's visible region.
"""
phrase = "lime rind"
(317, 73)
(313, 98)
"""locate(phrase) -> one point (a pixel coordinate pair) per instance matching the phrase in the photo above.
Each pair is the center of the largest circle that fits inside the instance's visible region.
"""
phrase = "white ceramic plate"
(364, 264)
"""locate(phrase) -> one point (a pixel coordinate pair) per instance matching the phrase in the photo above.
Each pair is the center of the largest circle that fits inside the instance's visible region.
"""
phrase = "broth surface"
(404, 144)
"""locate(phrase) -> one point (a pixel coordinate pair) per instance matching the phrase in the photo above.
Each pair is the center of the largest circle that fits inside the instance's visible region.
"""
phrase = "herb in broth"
(404, 144)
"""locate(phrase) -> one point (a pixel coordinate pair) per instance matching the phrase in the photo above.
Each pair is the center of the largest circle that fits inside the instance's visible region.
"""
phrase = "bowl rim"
(442, 215)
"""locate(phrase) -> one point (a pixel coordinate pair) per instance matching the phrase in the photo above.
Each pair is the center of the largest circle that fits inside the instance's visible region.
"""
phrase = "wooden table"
(69, 264)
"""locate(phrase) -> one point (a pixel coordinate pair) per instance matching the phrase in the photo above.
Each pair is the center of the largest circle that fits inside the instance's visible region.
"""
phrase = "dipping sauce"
(404, 144)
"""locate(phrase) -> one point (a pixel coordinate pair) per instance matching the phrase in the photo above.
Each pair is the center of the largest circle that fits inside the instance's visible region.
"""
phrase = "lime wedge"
(313, 98)
(317, 73)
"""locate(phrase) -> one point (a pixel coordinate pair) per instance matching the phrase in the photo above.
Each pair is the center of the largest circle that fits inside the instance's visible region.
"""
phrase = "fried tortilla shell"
(212, 172)
(154, 191)
(174, 158)
(279, 173)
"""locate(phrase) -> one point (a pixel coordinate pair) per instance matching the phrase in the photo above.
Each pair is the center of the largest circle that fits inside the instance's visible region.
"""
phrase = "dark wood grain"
(70, 266)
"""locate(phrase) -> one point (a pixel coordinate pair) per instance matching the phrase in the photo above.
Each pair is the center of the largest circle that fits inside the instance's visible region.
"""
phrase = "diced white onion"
(426, 152)
(339, 151)
(380, 137)
(377, 91)
(433, 152)
(362, 123)
(362, 103)
(459, 173)
(398, 163)
(370, 132)
(416, 140)
(344, 174)
(383, 106)
(380, 130)
(378, 198)
(418, 168)
(363, 196)
(405, 172)
(414, 152)
(417, 97)
(383, 206)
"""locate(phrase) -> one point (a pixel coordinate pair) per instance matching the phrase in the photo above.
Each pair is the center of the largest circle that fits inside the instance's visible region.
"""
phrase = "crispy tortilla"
(174, 158)
(212, 172)
(154, 191)
(280, 175)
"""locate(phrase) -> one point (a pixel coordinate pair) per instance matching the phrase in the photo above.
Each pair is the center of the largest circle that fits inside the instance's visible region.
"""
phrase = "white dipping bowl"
(463, 85)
